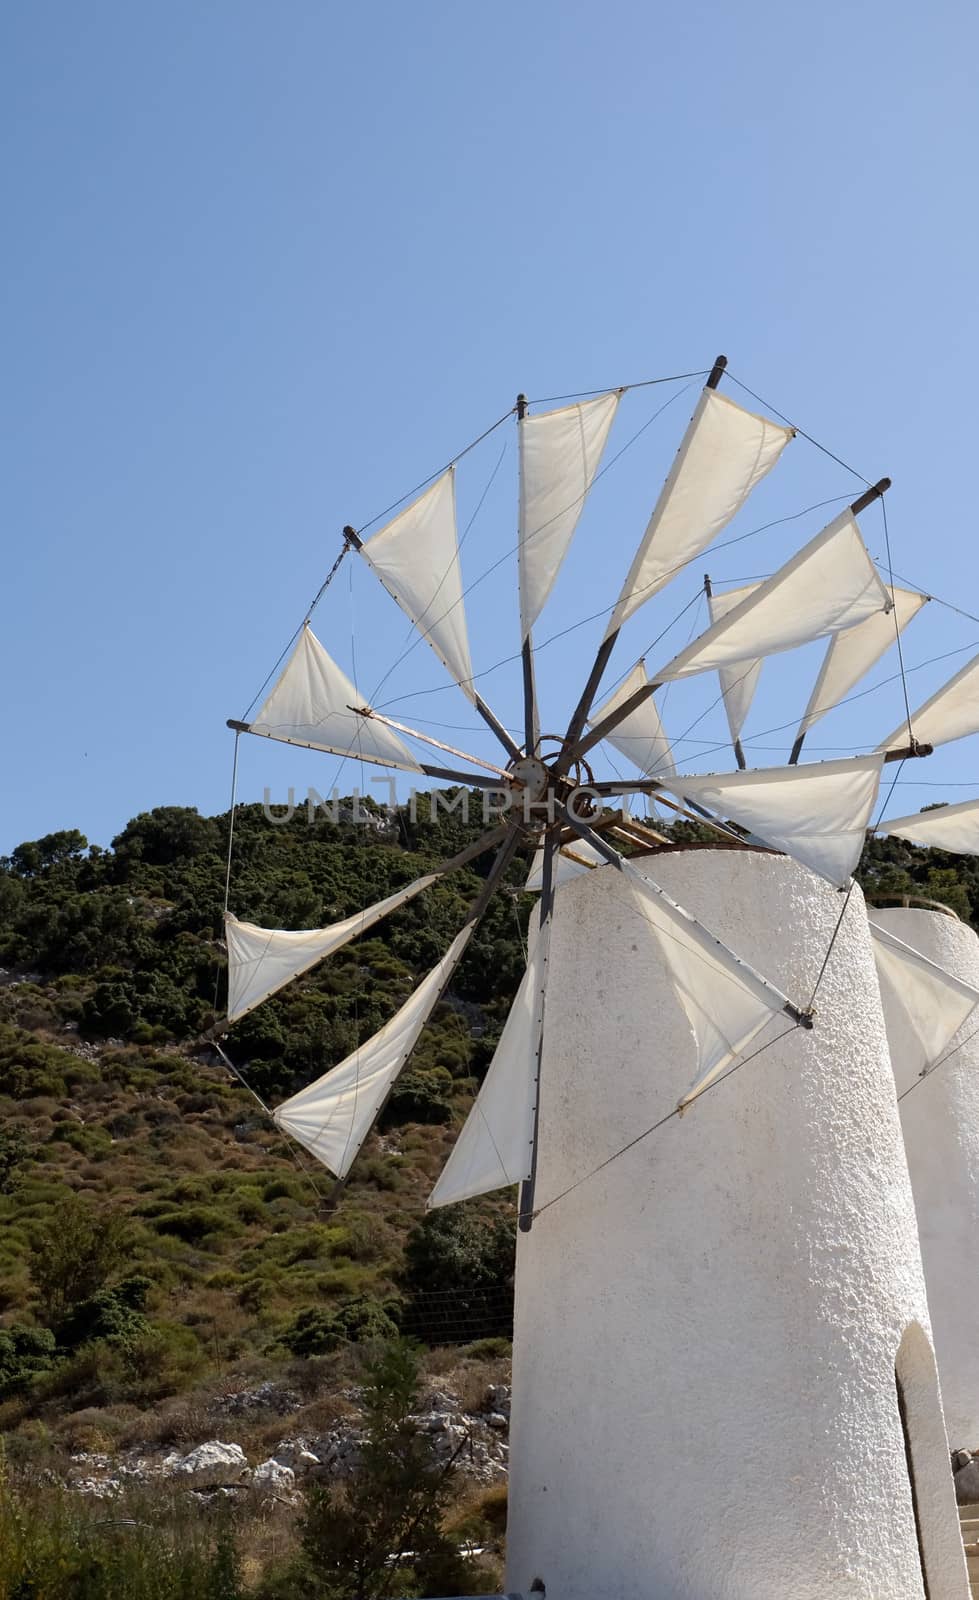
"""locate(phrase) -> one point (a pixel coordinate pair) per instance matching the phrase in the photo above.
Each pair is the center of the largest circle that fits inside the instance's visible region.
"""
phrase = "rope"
(939, 1063)
(621, 388)
(257, 1097)
(309, 612)
(231, 822)
(796, 429)
(655, 1127)
(606, 611)
(416, 627)
(852, 885)
(897, 624)
(437, 474)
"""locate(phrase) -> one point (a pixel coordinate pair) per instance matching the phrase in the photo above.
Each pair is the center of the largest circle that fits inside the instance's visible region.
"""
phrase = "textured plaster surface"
(941, 1137)
(706, 1331)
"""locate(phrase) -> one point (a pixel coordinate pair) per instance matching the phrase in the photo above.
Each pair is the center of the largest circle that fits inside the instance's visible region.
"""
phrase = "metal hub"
(532, 776)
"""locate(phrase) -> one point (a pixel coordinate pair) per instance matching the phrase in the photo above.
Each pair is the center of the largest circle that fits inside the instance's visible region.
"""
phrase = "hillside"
(165, 1257)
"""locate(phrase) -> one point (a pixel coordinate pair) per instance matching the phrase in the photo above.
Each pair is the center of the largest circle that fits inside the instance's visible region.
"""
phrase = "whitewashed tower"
(724, 1382)
(709, 1330)
(940, 1117)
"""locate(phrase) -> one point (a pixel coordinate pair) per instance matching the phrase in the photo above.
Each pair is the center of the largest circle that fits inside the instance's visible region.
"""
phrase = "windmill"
(756, 947)
(817, 812)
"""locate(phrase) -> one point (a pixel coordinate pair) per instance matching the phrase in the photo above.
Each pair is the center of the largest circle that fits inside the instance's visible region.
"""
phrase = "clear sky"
(269, 265)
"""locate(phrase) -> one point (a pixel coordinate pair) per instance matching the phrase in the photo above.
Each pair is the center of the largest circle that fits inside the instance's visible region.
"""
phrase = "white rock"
(296, 1453)
(271, 1477)
(210, 1464)
(496, 1419)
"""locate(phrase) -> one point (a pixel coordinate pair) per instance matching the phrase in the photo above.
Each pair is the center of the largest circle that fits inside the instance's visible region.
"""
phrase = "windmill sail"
(817, 814)
(738, 684)
(951, 713)
(333, 1116)
(261, 960)
(494, 1148)
(639, 736)
(853, 652)
(954, 828)
(919, 995)
(830, 584)
(559, 456)
(724, 453)
(416, 557)
(310, 705)
(726, 1002)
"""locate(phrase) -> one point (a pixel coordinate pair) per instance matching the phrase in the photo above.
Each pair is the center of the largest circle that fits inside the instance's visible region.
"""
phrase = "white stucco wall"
(704, 1401)
(941, 1137)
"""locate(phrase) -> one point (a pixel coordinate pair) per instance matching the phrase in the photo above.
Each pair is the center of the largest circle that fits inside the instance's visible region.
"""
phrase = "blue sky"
(268, 266)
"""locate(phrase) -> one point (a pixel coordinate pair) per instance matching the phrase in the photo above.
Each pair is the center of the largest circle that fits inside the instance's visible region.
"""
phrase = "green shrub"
(318, 1331)
(195, 1224)
(24, 1354)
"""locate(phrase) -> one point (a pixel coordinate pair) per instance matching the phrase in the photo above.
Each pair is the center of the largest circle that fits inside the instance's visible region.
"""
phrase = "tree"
(380, 1533)
(15, 1151)
(75, 1254)
(459, 1265)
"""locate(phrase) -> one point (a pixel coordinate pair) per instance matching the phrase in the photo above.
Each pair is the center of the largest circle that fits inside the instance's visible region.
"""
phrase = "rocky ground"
(476, 1440)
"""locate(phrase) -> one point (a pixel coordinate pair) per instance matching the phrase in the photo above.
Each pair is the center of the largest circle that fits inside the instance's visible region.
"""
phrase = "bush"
(24, 1354)
(317, 1331)
(75, 1254)
(380, 1532)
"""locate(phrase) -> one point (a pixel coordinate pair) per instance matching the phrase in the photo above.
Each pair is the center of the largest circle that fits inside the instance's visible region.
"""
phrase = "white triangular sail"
(951, 713)
(919, 995)
(817, 814)
(309, 705)
(738, 684)
(726, 1001)
(559, 456)
(261, 960)
(639, 736)
(494, 1148)
(570, 862)
(829, 585)
(416, 557)
(853, 652)
(954, 828)
(724, 453)
(333, 1116)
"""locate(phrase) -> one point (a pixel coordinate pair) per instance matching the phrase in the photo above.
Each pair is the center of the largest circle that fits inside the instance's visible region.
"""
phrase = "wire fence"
(459, 1316)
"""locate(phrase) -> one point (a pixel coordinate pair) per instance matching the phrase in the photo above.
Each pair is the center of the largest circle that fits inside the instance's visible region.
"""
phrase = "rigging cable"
(654, 1128)
(897, 623)
(939, 1063)
(796, 429)
(852, 885)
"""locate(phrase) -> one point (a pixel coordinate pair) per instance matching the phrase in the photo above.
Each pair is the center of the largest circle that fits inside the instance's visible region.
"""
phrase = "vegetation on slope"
(159, 1242)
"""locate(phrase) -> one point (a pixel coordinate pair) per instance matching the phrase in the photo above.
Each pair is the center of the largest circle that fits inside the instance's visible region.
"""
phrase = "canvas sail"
(920, 996)
(951, 713)
(416, 557)
(726, 1002)
(852, 653)
(738, 684)
(639, 736)
(495, 1146)
(309, 705)
(817, 814)
(559, 455)
(333, 1116)
(261, 960)
(830, 584)
(724, 454)
(954, 828)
